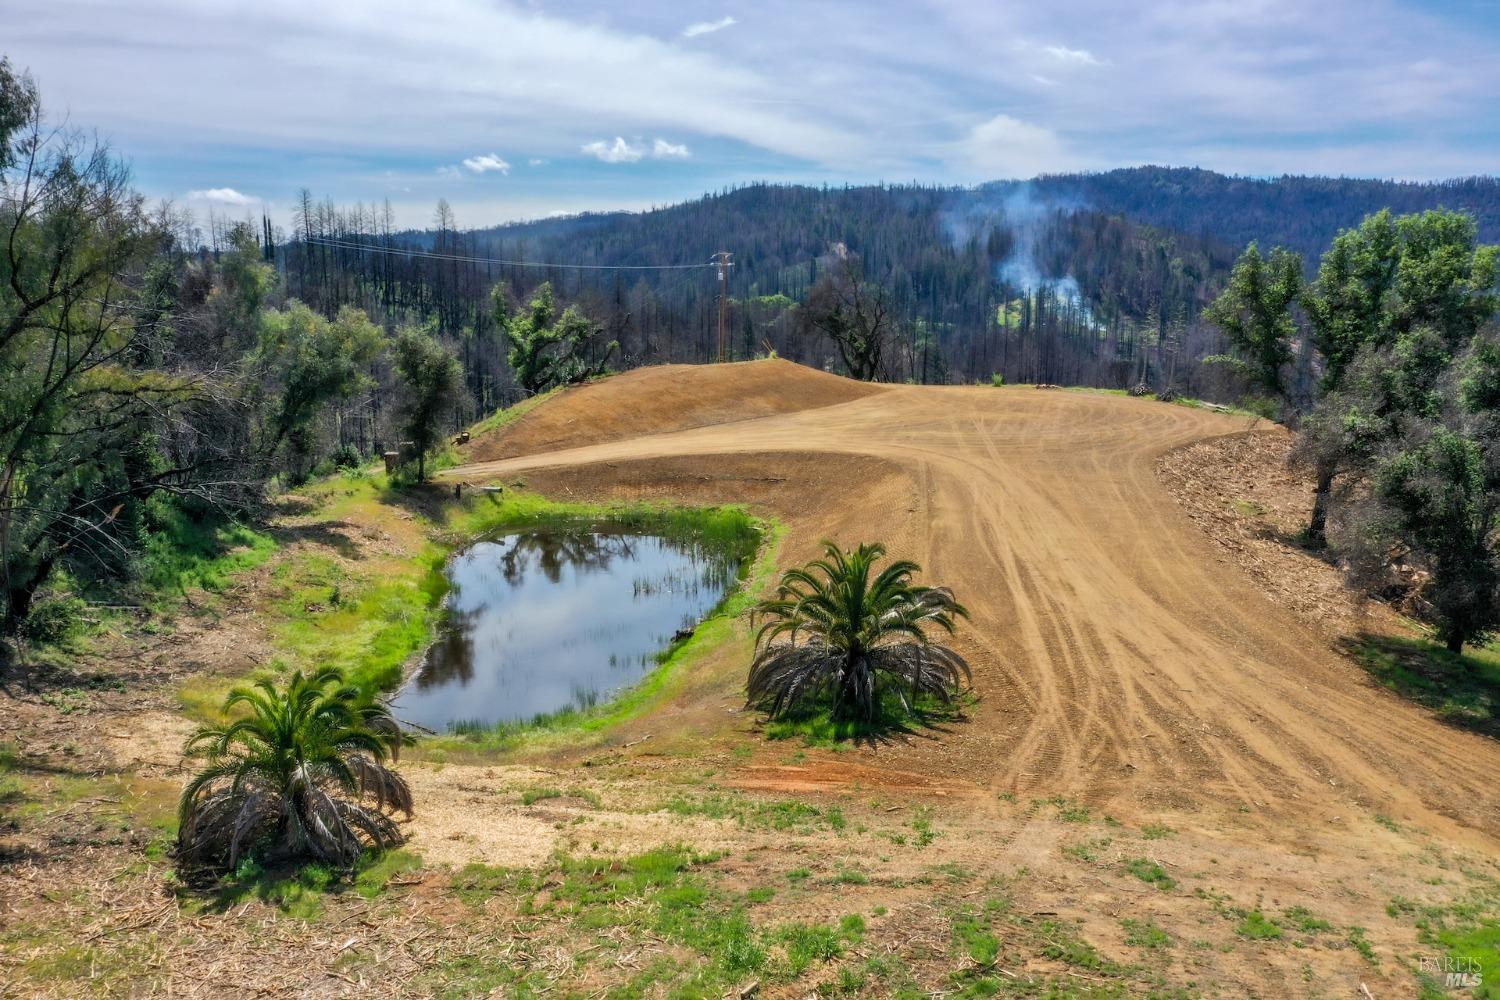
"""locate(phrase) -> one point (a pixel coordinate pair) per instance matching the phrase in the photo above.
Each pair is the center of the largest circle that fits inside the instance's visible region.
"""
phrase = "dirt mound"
(667, 398)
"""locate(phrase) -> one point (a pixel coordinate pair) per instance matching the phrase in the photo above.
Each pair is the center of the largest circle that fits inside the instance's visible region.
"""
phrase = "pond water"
(548, 620)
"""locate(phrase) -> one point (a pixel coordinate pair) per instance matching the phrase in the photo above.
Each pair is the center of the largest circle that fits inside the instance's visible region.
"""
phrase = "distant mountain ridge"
(1084, 278)
(1300, 212)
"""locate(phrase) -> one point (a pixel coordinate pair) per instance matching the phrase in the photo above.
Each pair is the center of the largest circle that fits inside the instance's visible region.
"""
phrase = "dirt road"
(1115, 657)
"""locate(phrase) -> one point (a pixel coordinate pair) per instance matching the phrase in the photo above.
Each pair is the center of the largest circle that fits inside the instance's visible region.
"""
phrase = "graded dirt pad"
(666, 398)
(1170, 785)
(1116, 659)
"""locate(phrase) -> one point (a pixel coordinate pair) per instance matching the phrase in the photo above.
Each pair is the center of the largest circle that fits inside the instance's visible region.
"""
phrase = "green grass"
(1087, 850)
(185, 555)
(1151, 873)
(10, 784)
(844, 875)
(669, 894)
(371, 877)
(475, 882)
(758, 814)
(1359, 942)
(533, 795)
(818, 726)
(1462, 689)
(1302, 919)
(1248, 508)
(974, 936)
(1063, 945)
(184, 551)
(1244, 408)
(921, 825)
(1476, 947)
(509, 415)
(298, 892)
(1256, 926)
(1465, 933)
(1145, 934)
(1070, 812)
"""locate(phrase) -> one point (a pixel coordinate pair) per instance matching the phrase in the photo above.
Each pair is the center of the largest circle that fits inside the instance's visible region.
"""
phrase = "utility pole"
(722, 259)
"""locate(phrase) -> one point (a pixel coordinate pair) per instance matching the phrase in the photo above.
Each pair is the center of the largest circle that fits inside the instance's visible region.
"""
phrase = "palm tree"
(302, 775)
(845, 633)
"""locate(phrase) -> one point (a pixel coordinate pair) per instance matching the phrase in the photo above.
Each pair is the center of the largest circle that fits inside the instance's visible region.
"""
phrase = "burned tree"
(855, 315)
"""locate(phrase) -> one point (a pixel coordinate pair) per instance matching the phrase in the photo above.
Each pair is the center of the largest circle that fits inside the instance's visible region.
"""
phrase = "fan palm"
(302, 775)
(833, 632)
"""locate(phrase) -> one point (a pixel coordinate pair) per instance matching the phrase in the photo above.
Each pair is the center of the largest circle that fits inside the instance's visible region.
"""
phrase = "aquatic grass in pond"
(559, 619)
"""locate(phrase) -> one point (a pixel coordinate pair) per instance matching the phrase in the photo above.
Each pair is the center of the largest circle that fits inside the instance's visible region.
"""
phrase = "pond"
(548, 620)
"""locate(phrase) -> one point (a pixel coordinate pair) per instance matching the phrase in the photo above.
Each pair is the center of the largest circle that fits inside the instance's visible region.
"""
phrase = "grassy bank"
(360, 584)
(1463, 689)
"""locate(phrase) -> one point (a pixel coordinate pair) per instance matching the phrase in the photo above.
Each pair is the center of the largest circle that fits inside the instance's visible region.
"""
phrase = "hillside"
(1168, 782)
(662, 399)
(1303, 213)
(1113, 651)
(1095, 279)
(1299, 212)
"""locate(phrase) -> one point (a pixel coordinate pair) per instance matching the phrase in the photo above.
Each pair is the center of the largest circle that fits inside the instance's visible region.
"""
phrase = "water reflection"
(549, 620)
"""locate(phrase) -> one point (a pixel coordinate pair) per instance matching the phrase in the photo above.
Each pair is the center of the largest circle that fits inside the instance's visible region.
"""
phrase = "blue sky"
(521, 110)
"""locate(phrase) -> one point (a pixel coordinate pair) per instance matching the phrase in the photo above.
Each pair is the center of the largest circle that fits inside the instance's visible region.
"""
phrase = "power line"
(371, 248)
(721, 261)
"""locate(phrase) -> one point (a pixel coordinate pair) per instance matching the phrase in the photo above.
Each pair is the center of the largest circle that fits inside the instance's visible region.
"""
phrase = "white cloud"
(448, 173)
(558, 73)
(619, 151)
(1235, 85)
(485, 163)
(536, 161)
(708, 27)
(664, 150)
(1006, 147)
(225, 196)
(1064, 54)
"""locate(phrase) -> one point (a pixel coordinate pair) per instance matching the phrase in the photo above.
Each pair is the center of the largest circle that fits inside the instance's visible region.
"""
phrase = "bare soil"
(665, 398)
(1244, 495)
(1156, 683)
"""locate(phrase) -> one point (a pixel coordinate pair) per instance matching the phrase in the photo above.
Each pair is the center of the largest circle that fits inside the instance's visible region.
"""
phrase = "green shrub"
(54, 620)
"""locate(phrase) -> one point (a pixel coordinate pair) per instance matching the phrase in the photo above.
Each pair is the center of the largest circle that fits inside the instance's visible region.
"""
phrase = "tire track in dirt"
(1115, 657)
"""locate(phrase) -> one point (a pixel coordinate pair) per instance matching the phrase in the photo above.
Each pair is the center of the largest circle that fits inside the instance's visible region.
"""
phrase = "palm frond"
(832, 629)
(301, 774)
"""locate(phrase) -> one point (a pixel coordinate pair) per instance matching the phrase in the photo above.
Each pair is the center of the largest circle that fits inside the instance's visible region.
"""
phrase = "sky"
(523, 110)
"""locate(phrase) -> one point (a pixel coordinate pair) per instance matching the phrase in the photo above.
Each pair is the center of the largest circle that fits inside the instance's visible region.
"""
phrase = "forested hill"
(1301, 213)
(1085, 278)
